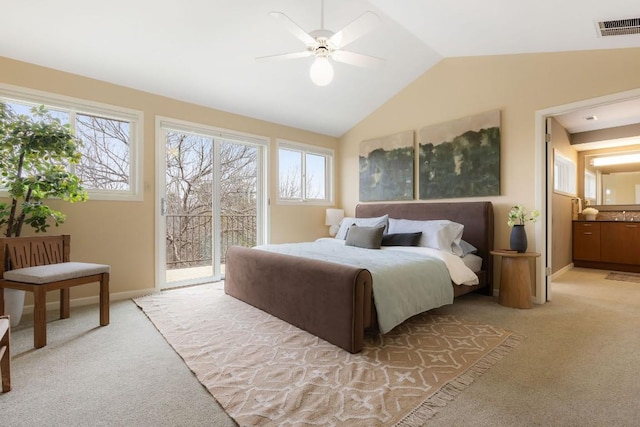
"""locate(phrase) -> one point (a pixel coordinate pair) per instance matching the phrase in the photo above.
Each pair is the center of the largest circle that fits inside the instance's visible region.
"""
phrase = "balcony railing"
(189, 238)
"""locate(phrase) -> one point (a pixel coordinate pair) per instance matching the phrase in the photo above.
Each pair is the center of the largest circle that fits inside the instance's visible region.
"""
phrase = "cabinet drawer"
(586, 241)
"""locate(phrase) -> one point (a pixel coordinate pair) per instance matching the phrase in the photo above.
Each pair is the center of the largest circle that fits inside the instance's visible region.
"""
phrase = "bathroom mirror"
(610, 179)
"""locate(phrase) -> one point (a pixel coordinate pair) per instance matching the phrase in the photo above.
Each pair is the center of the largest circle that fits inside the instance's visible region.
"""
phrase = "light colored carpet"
(577, 367)
(623, 277)
(264, 371)
(123, 374)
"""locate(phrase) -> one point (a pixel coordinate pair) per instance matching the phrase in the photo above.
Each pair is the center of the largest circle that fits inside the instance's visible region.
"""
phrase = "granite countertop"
(606, 220)
(614, 216)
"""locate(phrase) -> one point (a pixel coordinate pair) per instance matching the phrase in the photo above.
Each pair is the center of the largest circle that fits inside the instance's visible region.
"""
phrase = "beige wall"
(122, 233)
(561, 213)
(518, 85)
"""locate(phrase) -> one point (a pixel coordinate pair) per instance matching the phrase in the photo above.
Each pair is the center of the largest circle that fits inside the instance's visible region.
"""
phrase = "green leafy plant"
(519, 216)
(35, 152)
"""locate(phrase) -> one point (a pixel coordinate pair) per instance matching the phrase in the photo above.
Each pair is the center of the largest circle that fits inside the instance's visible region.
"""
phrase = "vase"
(13, 305)
(590, 217)
(518, 239)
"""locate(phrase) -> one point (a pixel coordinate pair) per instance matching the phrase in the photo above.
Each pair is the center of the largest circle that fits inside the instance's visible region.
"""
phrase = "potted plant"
(35, 153)
(518, 217)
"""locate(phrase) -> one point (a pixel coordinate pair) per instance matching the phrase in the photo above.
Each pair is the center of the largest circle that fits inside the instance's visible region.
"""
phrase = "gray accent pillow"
(347, 222)
(401, 239)
(365, 237)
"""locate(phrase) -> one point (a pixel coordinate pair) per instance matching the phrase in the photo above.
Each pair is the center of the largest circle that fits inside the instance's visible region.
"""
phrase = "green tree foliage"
(35, 153)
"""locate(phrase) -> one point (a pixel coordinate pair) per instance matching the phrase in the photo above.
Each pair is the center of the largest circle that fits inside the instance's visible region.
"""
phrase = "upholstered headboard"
(477, 218)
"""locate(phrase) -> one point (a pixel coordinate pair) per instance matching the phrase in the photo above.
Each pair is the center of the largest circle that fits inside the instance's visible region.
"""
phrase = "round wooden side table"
(515, 278)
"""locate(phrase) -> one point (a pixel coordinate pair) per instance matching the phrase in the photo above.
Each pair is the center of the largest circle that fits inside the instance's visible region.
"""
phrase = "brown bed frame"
(335, 302)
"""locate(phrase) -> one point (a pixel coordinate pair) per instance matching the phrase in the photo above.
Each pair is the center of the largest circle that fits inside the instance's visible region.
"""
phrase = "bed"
(334, 301)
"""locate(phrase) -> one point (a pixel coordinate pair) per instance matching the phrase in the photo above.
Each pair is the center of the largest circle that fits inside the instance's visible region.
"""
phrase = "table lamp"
(332, 219)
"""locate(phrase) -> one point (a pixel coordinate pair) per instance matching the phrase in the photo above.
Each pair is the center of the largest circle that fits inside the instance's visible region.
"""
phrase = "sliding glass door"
(211, 197)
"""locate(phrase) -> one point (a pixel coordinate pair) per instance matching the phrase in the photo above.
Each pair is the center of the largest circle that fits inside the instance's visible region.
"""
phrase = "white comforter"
(406, 280)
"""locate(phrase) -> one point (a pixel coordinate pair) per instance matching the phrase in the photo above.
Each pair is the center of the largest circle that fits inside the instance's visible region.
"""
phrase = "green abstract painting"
(387, 168)
(460, 158)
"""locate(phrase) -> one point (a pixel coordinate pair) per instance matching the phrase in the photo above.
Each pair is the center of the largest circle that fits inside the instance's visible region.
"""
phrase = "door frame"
(262, 205)
(544, 232)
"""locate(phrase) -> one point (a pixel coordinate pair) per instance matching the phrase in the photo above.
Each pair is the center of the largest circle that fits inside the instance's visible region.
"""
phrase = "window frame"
(74, 106)
(564, 175)
(329, 178)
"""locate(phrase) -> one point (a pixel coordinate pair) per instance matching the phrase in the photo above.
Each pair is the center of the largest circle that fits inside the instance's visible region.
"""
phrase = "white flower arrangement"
(590, 211)
(518, 216)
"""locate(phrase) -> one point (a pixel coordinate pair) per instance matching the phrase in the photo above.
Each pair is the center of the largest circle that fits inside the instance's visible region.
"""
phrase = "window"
(305, 173)
(564, 175)
(590, 186)
(110, 167)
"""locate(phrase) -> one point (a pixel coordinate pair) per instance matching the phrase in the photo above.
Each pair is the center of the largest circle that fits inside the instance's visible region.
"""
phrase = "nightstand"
(515, 278)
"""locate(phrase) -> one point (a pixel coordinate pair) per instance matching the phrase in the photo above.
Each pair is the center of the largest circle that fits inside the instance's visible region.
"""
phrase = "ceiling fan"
(325, 44)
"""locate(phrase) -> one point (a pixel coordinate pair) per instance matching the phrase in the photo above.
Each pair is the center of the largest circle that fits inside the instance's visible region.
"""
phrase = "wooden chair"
(5, 353)
(41, 264)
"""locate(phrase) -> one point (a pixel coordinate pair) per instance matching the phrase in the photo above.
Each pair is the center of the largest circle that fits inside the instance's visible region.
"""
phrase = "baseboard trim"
(561, 271)
(79, 302)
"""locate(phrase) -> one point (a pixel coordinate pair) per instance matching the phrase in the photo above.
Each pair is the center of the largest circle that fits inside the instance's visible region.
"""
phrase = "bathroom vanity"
(608, 244)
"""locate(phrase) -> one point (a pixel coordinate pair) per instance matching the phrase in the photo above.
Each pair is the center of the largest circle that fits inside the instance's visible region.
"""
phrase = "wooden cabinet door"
(620, 242)
(586, 241)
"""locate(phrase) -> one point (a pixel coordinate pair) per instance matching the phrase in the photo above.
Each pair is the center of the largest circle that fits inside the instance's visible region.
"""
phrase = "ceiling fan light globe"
(321, 71)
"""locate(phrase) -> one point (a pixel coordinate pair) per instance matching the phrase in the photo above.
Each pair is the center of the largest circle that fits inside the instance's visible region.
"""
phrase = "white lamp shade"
(321, 71)
(333, 216)
(332, 219)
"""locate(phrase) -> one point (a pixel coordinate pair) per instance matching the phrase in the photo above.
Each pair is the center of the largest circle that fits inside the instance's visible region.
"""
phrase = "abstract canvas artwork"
(460, 158)
(387, 168)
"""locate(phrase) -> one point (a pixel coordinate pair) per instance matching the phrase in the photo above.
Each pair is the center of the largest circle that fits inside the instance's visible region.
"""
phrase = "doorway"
(211, 195)
(544, 182)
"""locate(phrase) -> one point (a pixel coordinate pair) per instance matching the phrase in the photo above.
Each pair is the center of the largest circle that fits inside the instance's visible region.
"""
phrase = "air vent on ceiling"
(619, 27)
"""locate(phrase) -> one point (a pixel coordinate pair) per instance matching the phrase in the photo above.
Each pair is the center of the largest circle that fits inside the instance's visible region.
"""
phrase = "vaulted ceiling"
(203, 51)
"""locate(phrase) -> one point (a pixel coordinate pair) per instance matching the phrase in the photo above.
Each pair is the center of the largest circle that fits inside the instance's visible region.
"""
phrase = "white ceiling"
(203, 51)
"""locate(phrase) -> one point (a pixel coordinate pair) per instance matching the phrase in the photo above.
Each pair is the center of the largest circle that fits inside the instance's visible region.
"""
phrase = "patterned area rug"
(266, 372)
(623, 277)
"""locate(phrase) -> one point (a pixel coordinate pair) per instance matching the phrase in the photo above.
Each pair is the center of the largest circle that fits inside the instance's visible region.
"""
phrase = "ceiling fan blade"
(293, 55)
(354, 30)
(293, 28)
(357, 59)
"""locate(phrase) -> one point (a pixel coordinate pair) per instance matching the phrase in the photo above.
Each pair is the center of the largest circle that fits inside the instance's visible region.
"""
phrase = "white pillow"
(467, 248)
(361, 222)
(438, 234)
